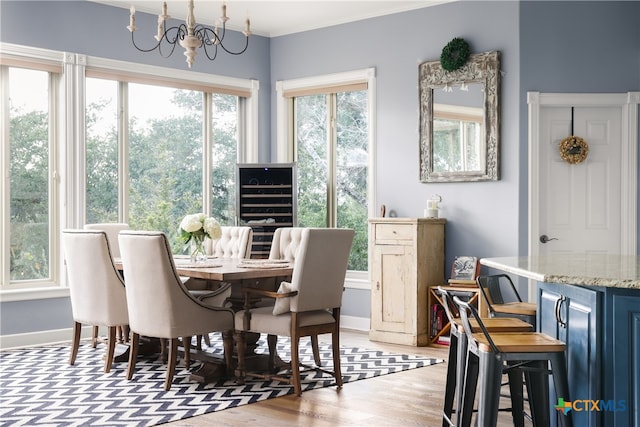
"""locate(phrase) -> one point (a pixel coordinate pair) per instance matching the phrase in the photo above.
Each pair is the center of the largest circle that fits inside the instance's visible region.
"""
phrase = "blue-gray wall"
(541, 50)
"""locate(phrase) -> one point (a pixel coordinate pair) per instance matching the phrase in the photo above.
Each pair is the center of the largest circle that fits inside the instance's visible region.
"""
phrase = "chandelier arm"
(246, 45)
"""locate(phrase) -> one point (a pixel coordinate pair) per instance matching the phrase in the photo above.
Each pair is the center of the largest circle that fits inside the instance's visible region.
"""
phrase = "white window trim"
(284, 139)
(68, 206)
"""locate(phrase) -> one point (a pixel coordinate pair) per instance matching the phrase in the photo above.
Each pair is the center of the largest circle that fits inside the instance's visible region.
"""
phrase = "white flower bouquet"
(194, 228)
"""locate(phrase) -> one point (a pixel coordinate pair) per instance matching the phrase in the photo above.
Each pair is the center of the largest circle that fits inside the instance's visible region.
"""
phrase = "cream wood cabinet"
(407, 257)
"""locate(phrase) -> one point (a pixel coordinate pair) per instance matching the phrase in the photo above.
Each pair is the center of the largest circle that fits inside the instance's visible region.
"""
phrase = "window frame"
(285, 121)
(67, 154)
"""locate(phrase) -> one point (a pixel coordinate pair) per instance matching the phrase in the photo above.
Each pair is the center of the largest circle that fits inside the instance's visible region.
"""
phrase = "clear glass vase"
(197, 251)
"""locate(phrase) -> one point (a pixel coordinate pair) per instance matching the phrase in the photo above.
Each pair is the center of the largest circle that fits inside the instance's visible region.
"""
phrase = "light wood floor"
(409, 398)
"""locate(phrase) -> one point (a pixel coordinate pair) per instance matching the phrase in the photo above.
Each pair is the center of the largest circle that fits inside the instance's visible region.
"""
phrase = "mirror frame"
(481, 68)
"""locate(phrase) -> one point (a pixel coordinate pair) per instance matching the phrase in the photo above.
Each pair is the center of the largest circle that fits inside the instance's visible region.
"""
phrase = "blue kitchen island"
(592, 303)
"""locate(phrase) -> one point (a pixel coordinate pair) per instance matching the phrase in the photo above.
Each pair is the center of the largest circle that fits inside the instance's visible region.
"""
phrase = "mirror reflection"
(458, 128)
(459, 120)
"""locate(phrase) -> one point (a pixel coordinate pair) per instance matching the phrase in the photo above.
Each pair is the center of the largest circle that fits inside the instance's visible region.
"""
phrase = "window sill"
(33, 294)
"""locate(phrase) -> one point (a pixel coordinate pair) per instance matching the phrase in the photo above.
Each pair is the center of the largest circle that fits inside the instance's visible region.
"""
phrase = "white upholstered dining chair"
(307, 306)
(97, 292)
(160, 305)
(234, 242)
(111, 229)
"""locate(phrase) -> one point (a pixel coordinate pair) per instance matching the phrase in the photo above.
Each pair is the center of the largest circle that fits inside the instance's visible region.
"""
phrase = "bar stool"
(503, 299)
(458, 351)
(490, 355)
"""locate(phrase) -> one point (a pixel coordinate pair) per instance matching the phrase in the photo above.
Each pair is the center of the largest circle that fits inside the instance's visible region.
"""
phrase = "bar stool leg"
(460, 376)
(538, 390)
(561, 383)
(490, 383)
(450, 388)
(468, 390)
(517, 396)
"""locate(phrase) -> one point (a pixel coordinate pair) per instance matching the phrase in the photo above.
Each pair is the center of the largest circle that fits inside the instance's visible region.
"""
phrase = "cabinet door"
(571, 314)
(622, 377)
(393, 289)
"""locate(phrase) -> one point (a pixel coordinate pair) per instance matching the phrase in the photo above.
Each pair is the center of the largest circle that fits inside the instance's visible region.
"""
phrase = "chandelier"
(189, 35)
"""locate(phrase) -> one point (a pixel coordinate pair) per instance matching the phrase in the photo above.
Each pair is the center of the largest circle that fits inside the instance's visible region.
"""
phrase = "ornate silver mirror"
(460, 120)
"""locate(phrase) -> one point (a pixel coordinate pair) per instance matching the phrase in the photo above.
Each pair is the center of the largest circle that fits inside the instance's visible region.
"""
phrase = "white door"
(580, 203)
(587, 207)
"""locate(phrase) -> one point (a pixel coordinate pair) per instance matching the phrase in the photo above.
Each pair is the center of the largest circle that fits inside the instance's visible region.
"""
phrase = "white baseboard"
(64, 335)
(40, 338)
(356, 323)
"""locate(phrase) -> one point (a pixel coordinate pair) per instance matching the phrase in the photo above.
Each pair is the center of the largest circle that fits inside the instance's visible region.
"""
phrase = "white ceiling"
(272, 18)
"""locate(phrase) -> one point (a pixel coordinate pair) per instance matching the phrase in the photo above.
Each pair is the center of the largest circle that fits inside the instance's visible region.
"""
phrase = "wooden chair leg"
(186, 345)
(94, 336)
(316, 350)
(75, 343)
(171, 366)
(227, 344)
(207, 341)
(272, 344)
(111, 346)
(133, 354)
(335, 344)
(241, 347)
(295, 365)
(199, 339)
(163, 350)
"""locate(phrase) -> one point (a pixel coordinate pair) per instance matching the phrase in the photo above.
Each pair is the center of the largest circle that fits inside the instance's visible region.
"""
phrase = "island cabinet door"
(622, 346)
(572, 315)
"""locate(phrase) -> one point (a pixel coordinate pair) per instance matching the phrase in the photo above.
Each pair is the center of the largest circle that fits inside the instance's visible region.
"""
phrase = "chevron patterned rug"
(39, 388)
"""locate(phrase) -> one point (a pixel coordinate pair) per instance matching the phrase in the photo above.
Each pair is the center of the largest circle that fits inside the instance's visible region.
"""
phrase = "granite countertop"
(613, 271)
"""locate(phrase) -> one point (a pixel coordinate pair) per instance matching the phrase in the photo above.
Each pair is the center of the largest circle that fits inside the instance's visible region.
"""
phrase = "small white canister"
(433, 204)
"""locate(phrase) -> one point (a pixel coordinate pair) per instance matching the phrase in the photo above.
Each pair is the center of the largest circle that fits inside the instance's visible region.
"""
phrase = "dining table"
(261, 273)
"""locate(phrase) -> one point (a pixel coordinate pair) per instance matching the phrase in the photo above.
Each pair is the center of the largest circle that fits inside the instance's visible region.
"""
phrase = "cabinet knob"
(377, 286)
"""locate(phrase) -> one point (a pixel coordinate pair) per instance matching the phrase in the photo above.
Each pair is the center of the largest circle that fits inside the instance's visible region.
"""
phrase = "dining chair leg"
(75, 343)
(241, 347)
(295, 364)
(272, 344)
(316, 350)
(163, 350)
(111, 346)
(133, 354)
(171, 366)
(227, 345)
(186, 345)
(335, 344)
(94, 336)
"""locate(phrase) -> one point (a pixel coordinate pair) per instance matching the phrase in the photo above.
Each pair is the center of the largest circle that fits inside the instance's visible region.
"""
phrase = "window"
(29, 144)
(329, 131)
(163, 168)
(88, 139)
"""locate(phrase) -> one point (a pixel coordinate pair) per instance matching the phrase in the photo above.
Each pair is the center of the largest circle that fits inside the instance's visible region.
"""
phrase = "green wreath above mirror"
(455, 54)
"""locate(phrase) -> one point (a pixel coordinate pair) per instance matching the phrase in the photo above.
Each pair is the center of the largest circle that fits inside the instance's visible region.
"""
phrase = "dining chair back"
(314, 299)
(111, 229)
(234, 242)
(159, 304)
(285, 243)
(503, 299)
(96, 289)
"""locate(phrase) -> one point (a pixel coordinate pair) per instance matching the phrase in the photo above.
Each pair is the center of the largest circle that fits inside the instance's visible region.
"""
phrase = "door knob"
(544, 238)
